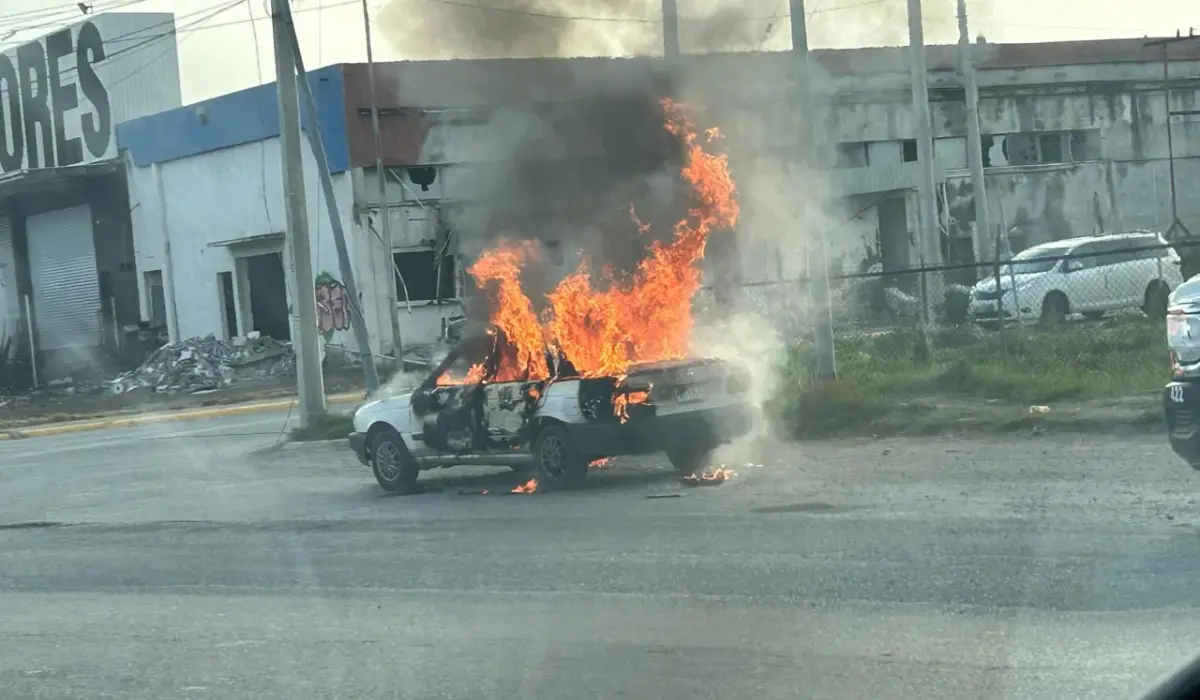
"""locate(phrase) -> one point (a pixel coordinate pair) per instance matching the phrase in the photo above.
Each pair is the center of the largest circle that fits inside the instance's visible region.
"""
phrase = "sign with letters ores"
(62, 95)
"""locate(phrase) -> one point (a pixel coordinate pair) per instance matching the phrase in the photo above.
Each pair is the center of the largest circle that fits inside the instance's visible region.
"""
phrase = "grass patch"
(897, 382)
(327, 427)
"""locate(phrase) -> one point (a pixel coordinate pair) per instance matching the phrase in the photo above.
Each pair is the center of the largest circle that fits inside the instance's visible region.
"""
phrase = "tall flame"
(647, 318)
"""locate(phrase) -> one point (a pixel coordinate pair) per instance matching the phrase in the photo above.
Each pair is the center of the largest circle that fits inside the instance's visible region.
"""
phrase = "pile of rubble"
(200, 364)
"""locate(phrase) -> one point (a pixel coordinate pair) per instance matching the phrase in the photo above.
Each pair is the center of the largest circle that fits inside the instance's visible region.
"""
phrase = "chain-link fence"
(1065, 309)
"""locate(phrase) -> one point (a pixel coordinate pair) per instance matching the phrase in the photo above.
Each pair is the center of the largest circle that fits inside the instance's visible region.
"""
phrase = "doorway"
(268, 295)
(228, 304)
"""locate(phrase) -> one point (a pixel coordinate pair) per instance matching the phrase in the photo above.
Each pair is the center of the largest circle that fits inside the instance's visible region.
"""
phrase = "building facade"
(68, 285)
(1074, 140)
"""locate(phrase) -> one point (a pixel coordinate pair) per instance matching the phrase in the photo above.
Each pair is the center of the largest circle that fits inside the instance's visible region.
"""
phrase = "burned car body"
(1181, 397)
(552, 427)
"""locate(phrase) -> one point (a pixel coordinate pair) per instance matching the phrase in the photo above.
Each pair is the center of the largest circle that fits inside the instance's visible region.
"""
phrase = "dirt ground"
(60, 404)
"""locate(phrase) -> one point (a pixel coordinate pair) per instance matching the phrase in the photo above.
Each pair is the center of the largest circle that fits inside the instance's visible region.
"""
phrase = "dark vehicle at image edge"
(1181, 398)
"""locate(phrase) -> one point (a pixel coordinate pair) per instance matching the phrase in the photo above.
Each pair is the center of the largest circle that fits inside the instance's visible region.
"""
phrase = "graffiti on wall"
(333, 305)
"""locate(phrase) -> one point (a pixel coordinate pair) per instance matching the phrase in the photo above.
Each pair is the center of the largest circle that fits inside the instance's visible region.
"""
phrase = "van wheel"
(1054, 309)
(394, 468)
(1155, 303)
(556, 460)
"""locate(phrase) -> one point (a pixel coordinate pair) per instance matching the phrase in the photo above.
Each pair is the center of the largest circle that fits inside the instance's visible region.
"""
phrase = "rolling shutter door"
(10, 302)
(66, 286)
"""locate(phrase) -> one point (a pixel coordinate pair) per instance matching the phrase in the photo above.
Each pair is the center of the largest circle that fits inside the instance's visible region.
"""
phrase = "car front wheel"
(394, 468)
(556, 459)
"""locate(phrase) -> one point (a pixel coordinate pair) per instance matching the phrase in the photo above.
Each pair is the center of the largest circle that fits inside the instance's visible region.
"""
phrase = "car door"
(1086, 288)
(1130, 269)
(448, 405)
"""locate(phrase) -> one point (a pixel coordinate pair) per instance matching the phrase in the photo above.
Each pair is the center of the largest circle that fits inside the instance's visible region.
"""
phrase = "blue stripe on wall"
(240, 117)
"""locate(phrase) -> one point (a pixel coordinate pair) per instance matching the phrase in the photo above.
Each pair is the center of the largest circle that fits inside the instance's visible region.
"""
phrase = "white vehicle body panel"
(1103, 278)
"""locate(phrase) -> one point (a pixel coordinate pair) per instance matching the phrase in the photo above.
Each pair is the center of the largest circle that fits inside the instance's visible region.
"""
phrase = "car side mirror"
(1072, 266)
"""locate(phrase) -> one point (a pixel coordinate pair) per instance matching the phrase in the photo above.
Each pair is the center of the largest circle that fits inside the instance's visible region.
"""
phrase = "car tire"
(1156, 300)
(393, 465)
(1055, 309)
(690, 460)
(557, 462)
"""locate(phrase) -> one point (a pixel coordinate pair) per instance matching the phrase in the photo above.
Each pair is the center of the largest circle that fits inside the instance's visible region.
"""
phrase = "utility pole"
(1178, 229)
(670, 25)
(362, 338)
(931, 237)
(983, 223)
(819, 273)
(310, 383)
(385, 216)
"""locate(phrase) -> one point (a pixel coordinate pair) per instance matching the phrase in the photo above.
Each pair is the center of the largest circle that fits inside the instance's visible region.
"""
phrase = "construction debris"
(202, 364)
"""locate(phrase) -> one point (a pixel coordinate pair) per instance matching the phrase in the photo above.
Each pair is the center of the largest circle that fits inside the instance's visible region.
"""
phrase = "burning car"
(553, 427)
(603, 368)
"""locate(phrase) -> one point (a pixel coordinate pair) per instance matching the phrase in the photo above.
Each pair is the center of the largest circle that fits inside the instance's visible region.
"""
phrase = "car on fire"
(552, 428)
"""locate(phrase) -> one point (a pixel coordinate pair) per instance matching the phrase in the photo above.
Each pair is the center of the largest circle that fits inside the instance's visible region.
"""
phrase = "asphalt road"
(191, 560)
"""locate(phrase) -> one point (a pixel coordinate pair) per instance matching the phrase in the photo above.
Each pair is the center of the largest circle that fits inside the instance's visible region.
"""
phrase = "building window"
(1039, 148)
(419, 271)
(908, 149)
(156, 297)
(851, 155)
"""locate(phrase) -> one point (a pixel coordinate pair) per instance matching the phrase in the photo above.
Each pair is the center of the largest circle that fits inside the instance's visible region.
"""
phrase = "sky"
(225, 45)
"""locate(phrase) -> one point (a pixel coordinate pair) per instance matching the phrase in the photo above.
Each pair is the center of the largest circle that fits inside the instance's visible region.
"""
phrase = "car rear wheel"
(690, 460)
(394, 468)
(1156, 300)
(556, 460)
(1054, 309)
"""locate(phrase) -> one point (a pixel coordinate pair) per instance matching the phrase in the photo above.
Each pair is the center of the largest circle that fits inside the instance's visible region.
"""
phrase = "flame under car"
(552, 428)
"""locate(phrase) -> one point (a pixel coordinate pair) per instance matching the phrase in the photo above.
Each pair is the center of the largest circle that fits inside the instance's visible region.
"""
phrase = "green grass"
(328, 427)
(897, 378)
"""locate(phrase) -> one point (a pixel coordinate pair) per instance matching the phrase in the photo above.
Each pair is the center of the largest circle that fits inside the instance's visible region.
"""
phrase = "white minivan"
(1089, 275)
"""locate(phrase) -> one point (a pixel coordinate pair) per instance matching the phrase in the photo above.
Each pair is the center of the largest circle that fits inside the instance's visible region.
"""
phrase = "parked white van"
(1089, 275)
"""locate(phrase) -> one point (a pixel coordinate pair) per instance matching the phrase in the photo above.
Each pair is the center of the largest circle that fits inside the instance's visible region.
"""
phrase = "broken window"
(156, 297)
(851, 155)
(1050, 147)
(422, 277)
(1083, 146)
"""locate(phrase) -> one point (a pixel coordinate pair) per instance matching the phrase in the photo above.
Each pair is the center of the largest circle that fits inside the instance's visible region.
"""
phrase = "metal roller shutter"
(66, 286)
(10, 302)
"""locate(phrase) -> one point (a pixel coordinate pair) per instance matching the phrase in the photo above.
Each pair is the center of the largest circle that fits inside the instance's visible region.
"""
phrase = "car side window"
(1111, 252)
(1084, 257)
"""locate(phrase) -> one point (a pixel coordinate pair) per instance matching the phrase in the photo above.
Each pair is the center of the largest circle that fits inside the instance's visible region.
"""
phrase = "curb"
(174, 416)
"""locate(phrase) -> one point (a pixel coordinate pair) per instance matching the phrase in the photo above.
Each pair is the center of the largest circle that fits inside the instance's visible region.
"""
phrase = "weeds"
(329, 426)
(896, 376)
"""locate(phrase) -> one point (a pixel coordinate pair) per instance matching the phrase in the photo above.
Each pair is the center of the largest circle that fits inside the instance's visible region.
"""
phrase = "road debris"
(708, 477)
(202, 364)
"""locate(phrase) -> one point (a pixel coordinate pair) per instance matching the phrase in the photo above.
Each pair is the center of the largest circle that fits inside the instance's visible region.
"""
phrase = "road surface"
(187, 561)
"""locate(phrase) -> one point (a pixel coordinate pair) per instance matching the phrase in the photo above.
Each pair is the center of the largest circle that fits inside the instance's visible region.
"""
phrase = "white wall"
(233, 193)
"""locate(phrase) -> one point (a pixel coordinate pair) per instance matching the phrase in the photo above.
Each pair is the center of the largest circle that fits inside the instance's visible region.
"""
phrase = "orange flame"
(527, 487)
(624, 399)
(710, 475)
(600, 463)
(474, 375)
(647, 318)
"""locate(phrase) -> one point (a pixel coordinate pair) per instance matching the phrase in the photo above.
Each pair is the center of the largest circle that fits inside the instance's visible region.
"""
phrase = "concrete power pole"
(931, 237)
(357, 321)
(670, 25)
(384, 212)
(310, 383)
(983, 224)
(819, 276)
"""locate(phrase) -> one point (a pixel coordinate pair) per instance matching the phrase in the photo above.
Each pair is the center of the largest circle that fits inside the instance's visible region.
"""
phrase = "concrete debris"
(202, 364)
(901, 303)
